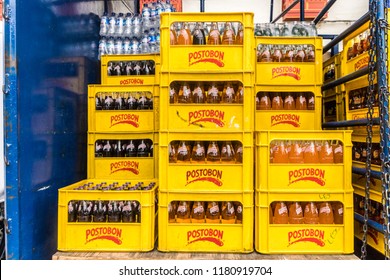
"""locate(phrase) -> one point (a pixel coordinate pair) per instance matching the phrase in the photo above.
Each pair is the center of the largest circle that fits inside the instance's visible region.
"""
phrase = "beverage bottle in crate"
(277, 55)
(264, 102)
(288, 54)
(310, 216)
(300, 103)
(310, 153)
(338, 213)
(326, 213)
(99, 148)
(239, 152)
(172, 152)
(238, 210)
(280, 152)
(183, 212)
(119, 103)
(326, 153)
(300, 55)
(172, 212)
(240, 95)
(173, 96)
(295, 213)
(173, 35)
(285, 30)
(228, 214)
(240, 35)
(132, 102)
(184, 151)
(98, 102)
(184, 35)
(212, 212)
(198, 212)
(376, 154)
(99, 211)
(295, 154)
(143, 103)
(198, 35)
(198, 94)
(118, 149)
(107, 149)
(338, 153)
(213, 94)
(84, 211)
(310, 102)
(277, 101)
(213, 153)
(131, 150)
(265, 55)
(143, 149)
(214, 36)
(113, 212)
(280, 213)
(108, 103)
(310, 54)
(198, 152)
(228, 36)
(128, 215)
(228, 93)
(227, 152)
(289, 102)
(72, 211)
(184, 93)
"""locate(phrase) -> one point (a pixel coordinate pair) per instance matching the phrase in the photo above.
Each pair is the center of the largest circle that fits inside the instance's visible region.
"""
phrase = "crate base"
(157, 255)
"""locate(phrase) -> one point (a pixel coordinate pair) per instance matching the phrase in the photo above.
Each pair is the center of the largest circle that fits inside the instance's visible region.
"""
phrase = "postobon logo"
(290, 71)
(212, 116)
(133, 81)
(290, 119)
(307, 235)
(210, 56)
(361, 63)
(127, 165)
(205, 235)
(131, 119)
(104, 233)
(307, 174)
(210, 175)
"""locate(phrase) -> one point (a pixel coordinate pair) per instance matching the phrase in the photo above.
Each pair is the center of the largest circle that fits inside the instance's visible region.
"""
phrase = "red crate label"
(361, 63)
(290, 71)
(125, 165)
(213, 176)
(315, 175)
(211, 116)
(290, 119)
(113, 234)
(205, 235)
(207, 56)
(306, 235)
(130, 119)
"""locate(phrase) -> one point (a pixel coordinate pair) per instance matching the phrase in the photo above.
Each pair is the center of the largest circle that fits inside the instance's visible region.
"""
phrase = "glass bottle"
(280, 213)
(173, 96)
(289, 102)
(300, 102)
(84, 213)
(98, 101)
(198, 212)
(107, 149)
(184, 93)
(173, 36)
(198, 36)
(228, 37)
(113, 212)
(238, 211)
(184, 36)
(295, 154)
(239, 152)
(338, 152)
(198, 94)
(295, 212)
(310, 103)
(142, 149)
(172, 152)
(300, 56)
(310, 216)
(280, 152)
(310, 154)
(214, 36)
(326, 213)
(240, 35)
(198, 152)
(227, 152)
(338, 213)
(326, 153)
(228, 93)
(128, 214)
(132, 102)
(240, 95)
(310, 54)
(172, 212)
(265, 56)
(264, 101)
(183, 212)
(228, 214)
(277, 55)
(277, 101)
(131, 150)
(213, 94)
(289, 54)
(213, 153)
(212, 212)
(184, 152)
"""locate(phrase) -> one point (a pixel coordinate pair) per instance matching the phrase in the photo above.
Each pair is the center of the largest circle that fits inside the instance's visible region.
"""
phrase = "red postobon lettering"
(210, 175)
(213, 116)
(132, 81)
(132, 119)
(212, 56)
(307, 235)
(205, 235)
(290, 119)
(291, 71)
(113, 234)
(315, 175)
(126, 165)
(361, 63)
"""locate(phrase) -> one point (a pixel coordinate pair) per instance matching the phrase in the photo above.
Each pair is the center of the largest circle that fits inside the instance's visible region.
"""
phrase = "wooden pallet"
(156, 255)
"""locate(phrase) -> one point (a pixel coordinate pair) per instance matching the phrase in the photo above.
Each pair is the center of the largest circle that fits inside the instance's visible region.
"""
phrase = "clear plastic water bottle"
(110, 45)
(119, 25)
(128, 25)
(137, 25)
(146, 11)
(167, 6)
(126, 45)
(111, 24)
(102, 47)
(144, 46)
(103, 25)
(134, 46)
(118, 46)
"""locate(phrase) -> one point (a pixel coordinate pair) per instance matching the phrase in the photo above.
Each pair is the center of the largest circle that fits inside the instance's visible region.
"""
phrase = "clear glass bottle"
(213, 153)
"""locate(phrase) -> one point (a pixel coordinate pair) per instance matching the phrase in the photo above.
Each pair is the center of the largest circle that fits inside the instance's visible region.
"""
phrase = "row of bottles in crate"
(285, 53)
(286, 29)
(295, 212)
(359, 152)
(139, 100)
(131, 68)
(375, 208)
(124, 148)
(358, 45)
(285, 101)
(306, 151)
(214, 212)
(357, 98)
(115, 186)
(196, 152)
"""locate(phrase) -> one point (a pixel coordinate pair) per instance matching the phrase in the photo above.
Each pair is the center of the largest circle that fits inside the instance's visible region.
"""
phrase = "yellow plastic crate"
(336, 61)
(207, 58)
(206, 177)
(303, 238)
(130, 80)
(375, 239)
(122, 168)
(294, 177)
(290, 73)
(289, 119)
(107, 236)
(122, 120)
(329, 108)
(221, 117)
(195, 237)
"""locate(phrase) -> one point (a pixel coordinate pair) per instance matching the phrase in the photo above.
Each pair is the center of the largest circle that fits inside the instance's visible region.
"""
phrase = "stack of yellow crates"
(115, 208)
(354, 57)
(206, 203)
(303, 199)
